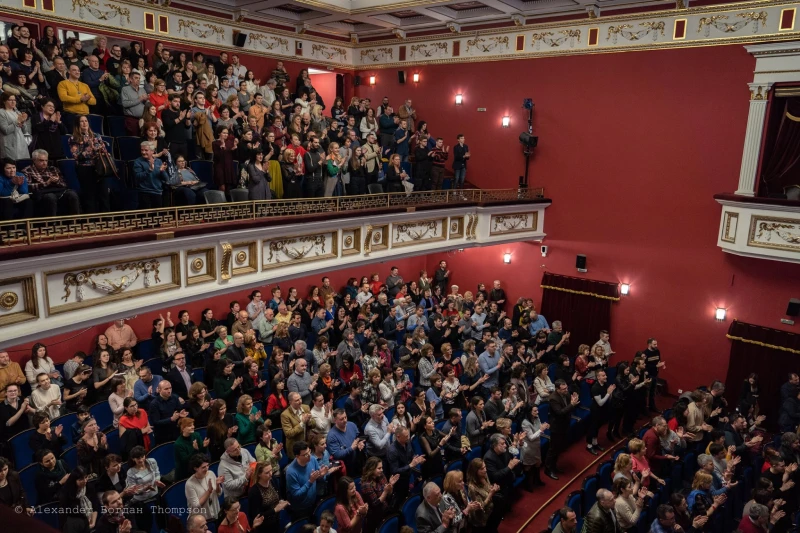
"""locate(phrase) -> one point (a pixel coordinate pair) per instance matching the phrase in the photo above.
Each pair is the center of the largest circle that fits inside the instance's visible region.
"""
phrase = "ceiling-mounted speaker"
(356, 80)
(580, 263)
(794, 307)
(239, 39)
(401, 76)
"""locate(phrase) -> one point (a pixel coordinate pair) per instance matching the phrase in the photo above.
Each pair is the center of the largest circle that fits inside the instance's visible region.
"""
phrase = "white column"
(752, 138)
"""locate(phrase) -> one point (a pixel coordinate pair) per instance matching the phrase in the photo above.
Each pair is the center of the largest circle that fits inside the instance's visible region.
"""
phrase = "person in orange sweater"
(10, 373)
(74, 94)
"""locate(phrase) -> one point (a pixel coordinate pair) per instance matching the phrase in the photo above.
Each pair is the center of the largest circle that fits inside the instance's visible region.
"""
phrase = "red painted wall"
(325, 84)
(61, 347)
(632, 148)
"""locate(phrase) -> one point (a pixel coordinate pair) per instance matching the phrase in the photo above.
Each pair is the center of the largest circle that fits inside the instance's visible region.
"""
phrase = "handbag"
(16, 197)
(104, 167)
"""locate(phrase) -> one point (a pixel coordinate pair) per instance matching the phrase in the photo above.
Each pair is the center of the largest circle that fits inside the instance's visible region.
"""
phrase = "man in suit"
(180, 376)
(561, 407)
(500, 465)
(429, 518)
(403, 462)
(54, 77)
(601, 518)
(296, 421)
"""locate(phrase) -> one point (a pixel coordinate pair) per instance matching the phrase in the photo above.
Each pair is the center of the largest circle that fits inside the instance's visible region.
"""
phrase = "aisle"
(573, 461)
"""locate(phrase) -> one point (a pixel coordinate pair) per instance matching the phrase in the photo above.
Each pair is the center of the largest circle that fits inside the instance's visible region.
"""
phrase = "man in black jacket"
(494, 407)
(561, 407)
(735, 433)
(313, 185)
(54, 77)
(177, 126)
(500, 465)
(164, 412)
(111, 519)
(601, 518)
(180, 376)
(403, 462)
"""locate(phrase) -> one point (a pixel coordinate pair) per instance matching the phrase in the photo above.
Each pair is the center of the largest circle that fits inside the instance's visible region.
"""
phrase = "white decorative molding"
(752, 138)
(208, 264)
(765, 231)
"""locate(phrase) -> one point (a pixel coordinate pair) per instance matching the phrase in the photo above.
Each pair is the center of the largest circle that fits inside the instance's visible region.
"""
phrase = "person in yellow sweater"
(74, 94)
(10, 373)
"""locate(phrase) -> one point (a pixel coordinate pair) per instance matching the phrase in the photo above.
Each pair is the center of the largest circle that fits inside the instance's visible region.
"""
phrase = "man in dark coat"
(601, 518)
(561, 407)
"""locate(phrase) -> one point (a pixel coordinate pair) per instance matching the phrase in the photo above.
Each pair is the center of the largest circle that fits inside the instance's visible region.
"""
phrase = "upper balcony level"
(62, 273)
(762, 218)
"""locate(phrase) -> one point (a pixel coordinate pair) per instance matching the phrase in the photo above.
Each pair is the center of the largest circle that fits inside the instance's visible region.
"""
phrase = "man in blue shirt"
(150, 174)
(538, 322)
(491, 362)
(343, 442)
(301, 481)
(146, 388)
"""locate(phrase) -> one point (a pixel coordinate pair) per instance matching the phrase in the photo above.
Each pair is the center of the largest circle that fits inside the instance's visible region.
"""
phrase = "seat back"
(48, 514)
(204, 171)
(589, 487)
(575, 502)
(69, 170)
(96, 123)
(277, 434)
(555, 519)
(164, 454)
(116, 126)
(604, 474)
(101, 412)
(27, 477)
(296, 526)
(339, 402)
(175, 498)
(215, 197)
(23, 454)
(70, 456)
(375, 188)
(129, 148)
(240, 195)
(454, 466)
(328, 504)
(66, 421)
(390, 525)
(409, 510)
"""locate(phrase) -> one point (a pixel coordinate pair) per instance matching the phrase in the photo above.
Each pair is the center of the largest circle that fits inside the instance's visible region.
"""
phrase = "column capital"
(759, 90)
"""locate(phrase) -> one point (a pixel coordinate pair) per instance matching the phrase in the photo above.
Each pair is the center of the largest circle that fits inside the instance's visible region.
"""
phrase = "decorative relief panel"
(487, 44)
(76, 288)
(429, 50)
(244, 256)
(108, 12)
(200, 266)
(514, 223)
(556, 39)
(376, 238)
(408, 233)
(740, 21)
(627, 31)
(18, 300)
(375, 55)
(774, 232)
(730, 224)
(323, 51)
(302, 249)
(202, 30)
(351, 241)
(456, 228)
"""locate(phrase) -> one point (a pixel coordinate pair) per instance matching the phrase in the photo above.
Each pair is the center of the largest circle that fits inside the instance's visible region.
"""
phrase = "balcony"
(62, 273)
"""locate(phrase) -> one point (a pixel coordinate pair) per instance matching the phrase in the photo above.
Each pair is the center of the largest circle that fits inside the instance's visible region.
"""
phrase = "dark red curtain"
(779, 169)
(582, 305)
(756, 349)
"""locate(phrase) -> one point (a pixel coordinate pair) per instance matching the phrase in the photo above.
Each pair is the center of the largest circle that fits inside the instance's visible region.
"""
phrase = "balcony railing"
(34, 231)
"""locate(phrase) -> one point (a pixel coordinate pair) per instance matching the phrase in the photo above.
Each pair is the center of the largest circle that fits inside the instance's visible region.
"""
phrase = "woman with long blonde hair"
(333, 168)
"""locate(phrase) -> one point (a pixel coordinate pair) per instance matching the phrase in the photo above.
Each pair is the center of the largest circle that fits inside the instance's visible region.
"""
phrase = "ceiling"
(369, 18)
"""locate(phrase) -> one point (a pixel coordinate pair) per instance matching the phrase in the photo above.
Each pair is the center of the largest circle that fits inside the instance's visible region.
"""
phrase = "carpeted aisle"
(573, 461)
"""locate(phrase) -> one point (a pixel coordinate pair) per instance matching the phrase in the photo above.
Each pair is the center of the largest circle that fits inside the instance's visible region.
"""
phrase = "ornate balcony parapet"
(192, 253)
(760, 227)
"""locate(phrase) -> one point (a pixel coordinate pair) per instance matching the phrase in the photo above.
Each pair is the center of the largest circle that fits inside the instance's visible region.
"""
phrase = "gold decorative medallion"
(8, 300)
(241, 257)
(376, 237)
(348, 241)
(225, 267)
(197, 264)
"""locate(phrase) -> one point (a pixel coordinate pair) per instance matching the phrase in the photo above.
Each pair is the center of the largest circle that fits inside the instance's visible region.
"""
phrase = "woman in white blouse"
(321, 413)
(203, 488)
(369, 124)
(628, 507)
(542, 384)
(41, 363)
(117, 398)
(533, 428)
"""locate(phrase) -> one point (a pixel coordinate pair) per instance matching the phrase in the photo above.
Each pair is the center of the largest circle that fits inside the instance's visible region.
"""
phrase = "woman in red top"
(640, 463)
(135, 418)
(349, 371)
(234, 520)
(582, 363)
(159, 97)
(277, 403)
(350, 509)
(376, 284)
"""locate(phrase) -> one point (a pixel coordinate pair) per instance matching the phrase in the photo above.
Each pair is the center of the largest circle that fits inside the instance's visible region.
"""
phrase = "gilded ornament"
(376, 237)
(368, 240)
(454, 227)
(307, 244)
(225, 266)
(329, 52)
(110, 286)
(654, 29)
(348, 241)
(429, 49)
(554, 42)
(8, 300)
(377, 54)
(414, 234)
(484, 44)
(241, 257)
(94, 9)
(717, 22)
(197, 264)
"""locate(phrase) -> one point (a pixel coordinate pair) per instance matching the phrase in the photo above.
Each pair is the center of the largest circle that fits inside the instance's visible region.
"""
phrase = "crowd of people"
(287, 141)
(378, 389)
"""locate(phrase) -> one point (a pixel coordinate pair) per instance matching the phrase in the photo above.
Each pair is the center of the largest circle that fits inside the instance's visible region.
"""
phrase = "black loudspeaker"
(401, 76)
(239, 39)
(528, 140)
(356, 80)
(794, 307)
(580, 263)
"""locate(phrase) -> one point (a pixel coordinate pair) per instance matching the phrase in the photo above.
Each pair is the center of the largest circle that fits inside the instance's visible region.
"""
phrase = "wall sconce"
(415, 77)
(720, 314)
(624, 289)
(459, 99)
(506, 121)
(506, 258)
(372, 80)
